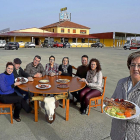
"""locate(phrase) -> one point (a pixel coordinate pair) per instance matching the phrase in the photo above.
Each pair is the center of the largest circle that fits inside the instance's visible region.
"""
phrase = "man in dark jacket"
(19, 72)
(81, 73)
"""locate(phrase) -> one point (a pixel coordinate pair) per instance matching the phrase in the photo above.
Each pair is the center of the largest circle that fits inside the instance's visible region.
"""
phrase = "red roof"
(108, 35)
(36, 34)
(68, 24)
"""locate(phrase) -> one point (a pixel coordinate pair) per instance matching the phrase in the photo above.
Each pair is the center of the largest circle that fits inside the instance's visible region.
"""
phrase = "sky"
(99, 15)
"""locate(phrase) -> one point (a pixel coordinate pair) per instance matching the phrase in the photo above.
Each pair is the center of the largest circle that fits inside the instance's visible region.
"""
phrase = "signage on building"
(5, 30)
(64, 15)
(63, 9)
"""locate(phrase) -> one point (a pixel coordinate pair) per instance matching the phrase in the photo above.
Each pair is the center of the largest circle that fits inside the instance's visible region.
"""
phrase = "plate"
(49, 86)
(62, 86)
(44, 81)
(62, 80)
(128, 118)
(26, 80)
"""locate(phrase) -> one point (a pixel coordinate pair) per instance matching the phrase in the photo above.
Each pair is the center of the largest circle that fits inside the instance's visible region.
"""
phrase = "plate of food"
(44, 81)
(121, 109)
(62, 80)
(62, 86)
(21, 79)
(43, 86)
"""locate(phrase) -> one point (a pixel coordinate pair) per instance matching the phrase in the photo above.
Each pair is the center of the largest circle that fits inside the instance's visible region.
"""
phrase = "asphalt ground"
(96, 126)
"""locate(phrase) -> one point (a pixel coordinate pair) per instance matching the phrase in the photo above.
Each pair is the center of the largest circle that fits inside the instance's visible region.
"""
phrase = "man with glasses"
(51, 68)
(35, 68)
(81, 73)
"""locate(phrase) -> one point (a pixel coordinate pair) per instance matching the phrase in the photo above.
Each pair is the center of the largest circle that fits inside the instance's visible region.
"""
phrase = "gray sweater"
(96, 81)
(129, 129)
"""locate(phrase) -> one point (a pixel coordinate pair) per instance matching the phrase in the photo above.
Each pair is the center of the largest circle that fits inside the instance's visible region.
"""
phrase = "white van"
(2, 43)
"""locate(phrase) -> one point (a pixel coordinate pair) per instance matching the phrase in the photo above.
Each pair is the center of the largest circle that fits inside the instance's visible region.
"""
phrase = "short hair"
(84, 56)
(52, 56)
(39, 57)
(131, 57)
(98, 68)
(9, 63)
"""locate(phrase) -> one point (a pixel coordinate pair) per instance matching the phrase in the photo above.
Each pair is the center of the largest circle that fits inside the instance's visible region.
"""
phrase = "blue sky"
(99, 15)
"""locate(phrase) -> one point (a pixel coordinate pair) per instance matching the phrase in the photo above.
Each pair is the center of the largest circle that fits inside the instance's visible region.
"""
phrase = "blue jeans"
(22, 92)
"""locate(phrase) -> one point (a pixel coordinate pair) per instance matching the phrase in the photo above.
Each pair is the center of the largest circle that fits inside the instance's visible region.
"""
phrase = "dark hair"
(84, 56)
(98, 68)
(52, 56)
(66, 58)
(39, 57)
(9, 63)
(131, 57)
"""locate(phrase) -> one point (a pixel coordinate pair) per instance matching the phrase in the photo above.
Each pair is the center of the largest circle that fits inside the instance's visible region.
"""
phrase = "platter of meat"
(120, 109)
(62, 80)
(21, 79)
(43, 86)
(62, 86)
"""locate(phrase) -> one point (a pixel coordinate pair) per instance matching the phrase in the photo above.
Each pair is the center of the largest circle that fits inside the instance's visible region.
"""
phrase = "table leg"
(63, 106)
(67, 109)
(36, 109)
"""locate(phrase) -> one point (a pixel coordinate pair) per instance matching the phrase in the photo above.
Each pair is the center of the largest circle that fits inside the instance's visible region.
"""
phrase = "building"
(114, 39)
(64, 31)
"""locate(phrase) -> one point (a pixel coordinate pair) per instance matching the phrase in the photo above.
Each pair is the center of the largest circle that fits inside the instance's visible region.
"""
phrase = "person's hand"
(82, 79)
(59, 73)
(112, 99)
(78, 78)
(52, 74)
(86, 82)
(38, 75)
(30, 79)
(17, 83)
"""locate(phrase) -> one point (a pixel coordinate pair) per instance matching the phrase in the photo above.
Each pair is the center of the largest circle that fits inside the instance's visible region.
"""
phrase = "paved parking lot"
(96, 126)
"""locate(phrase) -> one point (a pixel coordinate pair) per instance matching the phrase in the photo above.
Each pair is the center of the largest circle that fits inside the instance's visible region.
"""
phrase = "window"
(83, 40)
(53, 30)
(74, 40)
(74, 30)
(62, 30)
(68, 30)
(82, 31)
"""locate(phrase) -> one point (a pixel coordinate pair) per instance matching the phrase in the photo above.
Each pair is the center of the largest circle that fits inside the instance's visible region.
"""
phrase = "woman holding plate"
(7, 94)
(128, 89)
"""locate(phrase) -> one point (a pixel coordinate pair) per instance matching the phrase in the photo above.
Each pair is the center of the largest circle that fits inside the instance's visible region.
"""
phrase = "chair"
(2, 105)
(95, 99)
(74, 69)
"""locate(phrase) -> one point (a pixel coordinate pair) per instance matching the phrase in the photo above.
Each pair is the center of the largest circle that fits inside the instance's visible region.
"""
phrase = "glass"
(134, 65)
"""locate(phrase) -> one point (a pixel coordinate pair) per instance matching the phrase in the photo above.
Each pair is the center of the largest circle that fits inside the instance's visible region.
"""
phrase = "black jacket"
(22, 73)
(69, 70)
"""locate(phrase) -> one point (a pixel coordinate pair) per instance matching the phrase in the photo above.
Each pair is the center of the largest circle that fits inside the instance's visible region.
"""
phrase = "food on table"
(44, 81)
(43, 86)
(22, 80)
(63, 80)
(62, 86)
(119, 108)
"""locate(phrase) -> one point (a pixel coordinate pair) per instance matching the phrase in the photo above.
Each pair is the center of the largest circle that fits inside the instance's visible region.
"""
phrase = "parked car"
(29, 45)
(21, 44)
(66, 45)
(58, 45)
(11, 46)
(48, 43)
(2, 43)
(97, 45)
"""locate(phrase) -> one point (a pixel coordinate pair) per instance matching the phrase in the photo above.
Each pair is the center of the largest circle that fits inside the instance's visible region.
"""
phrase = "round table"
(74, 85)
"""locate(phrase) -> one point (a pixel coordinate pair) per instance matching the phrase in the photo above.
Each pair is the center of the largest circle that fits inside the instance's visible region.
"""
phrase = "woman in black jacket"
(65, 68)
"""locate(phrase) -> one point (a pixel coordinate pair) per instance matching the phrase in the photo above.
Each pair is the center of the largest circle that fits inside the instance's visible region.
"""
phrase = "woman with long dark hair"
(93, 84)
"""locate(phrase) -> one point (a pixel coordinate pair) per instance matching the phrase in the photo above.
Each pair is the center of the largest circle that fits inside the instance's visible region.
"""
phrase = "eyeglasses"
(134, 65)
(51, 59)
(37, 60)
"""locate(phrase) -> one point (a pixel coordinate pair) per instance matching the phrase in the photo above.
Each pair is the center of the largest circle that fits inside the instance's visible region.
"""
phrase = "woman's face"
(9, 69)
(135, 69)
(51, 60)
(93, 65)
(65, 61)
